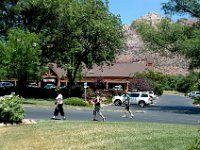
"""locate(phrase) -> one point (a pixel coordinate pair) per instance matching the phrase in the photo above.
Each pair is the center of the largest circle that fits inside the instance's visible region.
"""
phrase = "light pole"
(85, 87)
(85, 83)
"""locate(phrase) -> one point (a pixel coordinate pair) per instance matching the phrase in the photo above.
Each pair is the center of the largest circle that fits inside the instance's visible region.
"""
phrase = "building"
(55, 75)
(116, 74)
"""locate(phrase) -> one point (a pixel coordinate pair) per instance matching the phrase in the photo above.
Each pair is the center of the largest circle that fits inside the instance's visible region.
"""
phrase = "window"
(144, 95)
(135, 94)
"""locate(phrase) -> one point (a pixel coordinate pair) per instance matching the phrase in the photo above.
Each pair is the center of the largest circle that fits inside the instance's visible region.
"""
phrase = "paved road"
(168, 109)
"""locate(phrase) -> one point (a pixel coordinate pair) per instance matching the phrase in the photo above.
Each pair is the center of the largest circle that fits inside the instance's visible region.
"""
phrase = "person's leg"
(61, 111)
(125, 111)
(56, 111)
(98, 110)
(94, 113)
(130, 112)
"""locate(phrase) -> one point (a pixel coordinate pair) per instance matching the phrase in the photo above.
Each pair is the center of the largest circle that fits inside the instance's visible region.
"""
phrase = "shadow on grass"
(29, 103)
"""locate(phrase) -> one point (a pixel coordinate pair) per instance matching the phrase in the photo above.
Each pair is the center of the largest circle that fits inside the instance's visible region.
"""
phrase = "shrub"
(74, 101)
(158, 89)
(11, 110)
(108, 100)
(139, 84)
(196, 100)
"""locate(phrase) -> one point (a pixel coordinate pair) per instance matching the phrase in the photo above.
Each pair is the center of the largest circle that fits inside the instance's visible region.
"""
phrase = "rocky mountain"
(176, 64)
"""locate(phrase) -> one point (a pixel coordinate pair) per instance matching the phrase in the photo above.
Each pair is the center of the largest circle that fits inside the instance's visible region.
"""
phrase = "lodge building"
(116, 74)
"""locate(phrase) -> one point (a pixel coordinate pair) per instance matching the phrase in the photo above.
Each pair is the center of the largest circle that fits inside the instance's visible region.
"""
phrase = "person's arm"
(129, 100)
(58, 99)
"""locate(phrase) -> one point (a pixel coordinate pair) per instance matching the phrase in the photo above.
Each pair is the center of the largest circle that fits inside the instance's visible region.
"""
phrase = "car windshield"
(135, 94)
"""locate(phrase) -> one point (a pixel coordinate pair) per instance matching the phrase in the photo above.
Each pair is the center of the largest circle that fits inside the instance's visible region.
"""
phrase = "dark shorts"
(126, 106)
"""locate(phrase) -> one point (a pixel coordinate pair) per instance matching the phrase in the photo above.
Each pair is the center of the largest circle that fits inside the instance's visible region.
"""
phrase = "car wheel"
(142, 104)
(118, 103)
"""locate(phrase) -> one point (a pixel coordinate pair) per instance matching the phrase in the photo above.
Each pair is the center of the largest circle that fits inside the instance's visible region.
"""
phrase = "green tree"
(35, 16)
(172, 38)
(168, 37)
(191, 8)
(77, 33)
(164, 37)
(22, 56)
(182, 7)
(155, 80)
(87, 34)
(3, 72)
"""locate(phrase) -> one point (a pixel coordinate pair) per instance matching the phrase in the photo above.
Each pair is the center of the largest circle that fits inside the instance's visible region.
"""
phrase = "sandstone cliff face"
(165, 64)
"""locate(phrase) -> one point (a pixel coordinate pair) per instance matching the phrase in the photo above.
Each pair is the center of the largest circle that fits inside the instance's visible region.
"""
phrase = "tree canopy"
(182, 7)
(75, 33)
(169, 37)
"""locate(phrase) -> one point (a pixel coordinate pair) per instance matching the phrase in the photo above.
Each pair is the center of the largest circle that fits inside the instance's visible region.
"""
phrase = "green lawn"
(86, 135)
(38, 102)
(49, 103)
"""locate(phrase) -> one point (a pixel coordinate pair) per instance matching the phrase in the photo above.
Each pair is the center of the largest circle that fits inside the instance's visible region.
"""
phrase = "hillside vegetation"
(169, 64)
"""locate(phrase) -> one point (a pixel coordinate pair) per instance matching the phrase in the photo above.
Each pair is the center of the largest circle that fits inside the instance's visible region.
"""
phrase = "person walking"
(126, 101)
(59, 106)
(97, 107)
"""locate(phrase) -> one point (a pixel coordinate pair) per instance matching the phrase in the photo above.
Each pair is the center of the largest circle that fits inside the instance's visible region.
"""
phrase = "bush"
(11, 110)
(196, 100)
(108, 100)
(75, 102)
(158, 89)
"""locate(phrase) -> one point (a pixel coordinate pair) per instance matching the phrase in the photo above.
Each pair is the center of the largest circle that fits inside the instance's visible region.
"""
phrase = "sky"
(130, 10)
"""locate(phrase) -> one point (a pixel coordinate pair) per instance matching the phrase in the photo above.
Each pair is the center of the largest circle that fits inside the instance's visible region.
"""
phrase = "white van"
(136, 98)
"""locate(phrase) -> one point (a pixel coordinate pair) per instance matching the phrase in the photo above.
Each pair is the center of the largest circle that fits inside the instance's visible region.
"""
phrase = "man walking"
(126, 98)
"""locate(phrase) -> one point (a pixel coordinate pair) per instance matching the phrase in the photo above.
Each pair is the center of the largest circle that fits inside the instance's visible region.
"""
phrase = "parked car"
(118, 87)
(137, 98)
(50, 86)
(6, 85)
(193, 94)
(32, 85)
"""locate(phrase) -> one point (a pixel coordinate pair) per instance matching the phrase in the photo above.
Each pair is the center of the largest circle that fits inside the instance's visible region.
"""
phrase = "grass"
(49, 103)
(174, 93)
(38, 102)
(86, 135)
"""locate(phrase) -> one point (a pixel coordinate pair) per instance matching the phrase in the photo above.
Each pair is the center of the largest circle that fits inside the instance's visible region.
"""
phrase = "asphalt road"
(168, 109)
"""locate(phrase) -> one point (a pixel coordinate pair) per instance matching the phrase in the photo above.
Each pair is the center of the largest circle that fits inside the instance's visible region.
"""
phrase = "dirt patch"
(24, 121)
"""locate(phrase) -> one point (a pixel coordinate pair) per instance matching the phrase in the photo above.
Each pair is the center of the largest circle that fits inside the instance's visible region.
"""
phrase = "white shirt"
(59, 99)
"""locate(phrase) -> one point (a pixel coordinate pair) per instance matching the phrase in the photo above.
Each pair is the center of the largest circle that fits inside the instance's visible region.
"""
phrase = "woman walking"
(59, 106)
(97, 107)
